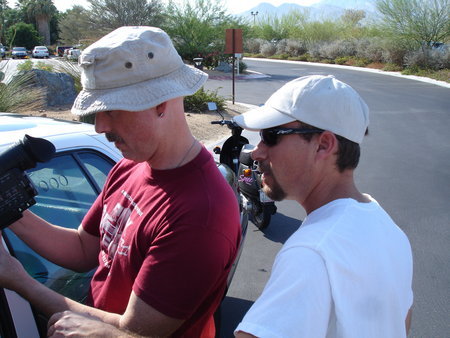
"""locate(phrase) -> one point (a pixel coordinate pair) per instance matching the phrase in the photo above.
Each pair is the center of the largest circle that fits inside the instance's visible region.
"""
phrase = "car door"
(67, 186)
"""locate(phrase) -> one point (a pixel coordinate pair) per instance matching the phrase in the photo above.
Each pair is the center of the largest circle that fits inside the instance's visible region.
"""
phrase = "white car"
(67, 185)
(72, 54)
(40, 52)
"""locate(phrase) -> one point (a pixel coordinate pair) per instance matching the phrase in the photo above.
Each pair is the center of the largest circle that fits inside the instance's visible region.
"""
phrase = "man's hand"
(72, 324)
(11, 271)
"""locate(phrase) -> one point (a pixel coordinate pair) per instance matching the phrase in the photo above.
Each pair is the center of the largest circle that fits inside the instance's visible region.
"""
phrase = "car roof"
(64, 134)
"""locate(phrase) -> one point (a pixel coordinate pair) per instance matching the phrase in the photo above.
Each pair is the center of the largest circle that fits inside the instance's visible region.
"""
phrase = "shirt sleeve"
(296, 301)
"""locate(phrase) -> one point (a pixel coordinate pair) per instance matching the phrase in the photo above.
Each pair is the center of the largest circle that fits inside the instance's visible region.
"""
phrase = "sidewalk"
(251, 75)
(248, 75)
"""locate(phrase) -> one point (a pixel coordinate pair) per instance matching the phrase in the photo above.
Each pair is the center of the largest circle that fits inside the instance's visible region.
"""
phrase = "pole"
(234, 51)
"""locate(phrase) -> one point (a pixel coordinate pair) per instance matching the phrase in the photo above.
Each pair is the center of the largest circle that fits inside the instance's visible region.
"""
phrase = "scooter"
(236, 154)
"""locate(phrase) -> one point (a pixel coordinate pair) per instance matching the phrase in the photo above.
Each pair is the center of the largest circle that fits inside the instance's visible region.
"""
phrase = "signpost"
(233, 45)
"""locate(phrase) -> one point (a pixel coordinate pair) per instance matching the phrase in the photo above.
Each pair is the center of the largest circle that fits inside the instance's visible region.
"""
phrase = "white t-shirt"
(347, 272)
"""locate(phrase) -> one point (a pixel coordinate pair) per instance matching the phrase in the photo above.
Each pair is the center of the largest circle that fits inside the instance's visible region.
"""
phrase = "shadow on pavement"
(281, 227)
(232, 310)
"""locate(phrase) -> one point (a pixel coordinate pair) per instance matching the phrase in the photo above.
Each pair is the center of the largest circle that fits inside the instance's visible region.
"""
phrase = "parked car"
(40, 52)
(2, 51)
(60, 50)
(67, 185)
(72, 54)
(19, 53)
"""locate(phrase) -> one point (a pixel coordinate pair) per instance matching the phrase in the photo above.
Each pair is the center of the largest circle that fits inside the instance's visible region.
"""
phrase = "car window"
(67, 187)
(96, 166)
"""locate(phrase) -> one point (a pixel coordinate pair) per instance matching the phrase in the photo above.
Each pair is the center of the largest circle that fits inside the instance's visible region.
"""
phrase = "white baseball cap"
(320, 101)
(133, 69)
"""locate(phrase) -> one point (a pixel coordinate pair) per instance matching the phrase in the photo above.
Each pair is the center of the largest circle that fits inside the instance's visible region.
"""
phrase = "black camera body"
(17, 192)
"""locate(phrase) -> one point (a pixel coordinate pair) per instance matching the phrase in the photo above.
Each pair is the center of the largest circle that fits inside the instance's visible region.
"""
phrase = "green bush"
(392, 67)
(88, 118)
(29, 65)
(341, 60)
(242, 67)
(25, 66)
(197, 103)
(43, 66)
(361, 62)
(304, 57)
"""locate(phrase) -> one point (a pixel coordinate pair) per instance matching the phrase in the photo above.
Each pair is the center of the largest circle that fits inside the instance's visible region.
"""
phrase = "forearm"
(49, 302)
(59, 245)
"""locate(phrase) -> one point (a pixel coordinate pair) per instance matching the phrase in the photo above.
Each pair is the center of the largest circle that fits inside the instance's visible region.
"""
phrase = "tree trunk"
(44, 28)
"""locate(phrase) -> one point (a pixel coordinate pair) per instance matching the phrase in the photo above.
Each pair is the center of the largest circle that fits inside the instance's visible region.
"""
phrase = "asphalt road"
(404, 165)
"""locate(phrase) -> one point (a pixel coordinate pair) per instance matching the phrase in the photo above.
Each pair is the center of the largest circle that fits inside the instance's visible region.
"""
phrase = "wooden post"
(233, 45)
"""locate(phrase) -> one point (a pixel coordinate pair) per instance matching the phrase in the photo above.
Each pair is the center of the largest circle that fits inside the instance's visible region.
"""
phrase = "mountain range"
(320, 10)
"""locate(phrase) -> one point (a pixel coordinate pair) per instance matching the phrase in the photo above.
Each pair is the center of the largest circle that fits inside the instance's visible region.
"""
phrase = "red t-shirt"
(171, 236)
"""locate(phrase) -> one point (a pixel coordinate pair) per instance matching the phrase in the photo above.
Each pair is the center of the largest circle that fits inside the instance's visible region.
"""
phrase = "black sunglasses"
(270, 136)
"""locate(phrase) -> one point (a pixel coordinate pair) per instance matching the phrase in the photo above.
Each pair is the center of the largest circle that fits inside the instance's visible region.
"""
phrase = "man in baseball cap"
(164, 232)
(347, 271)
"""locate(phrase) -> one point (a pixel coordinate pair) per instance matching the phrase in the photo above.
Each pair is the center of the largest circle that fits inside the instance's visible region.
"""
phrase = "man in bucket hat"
(165, 230)
(347, 271)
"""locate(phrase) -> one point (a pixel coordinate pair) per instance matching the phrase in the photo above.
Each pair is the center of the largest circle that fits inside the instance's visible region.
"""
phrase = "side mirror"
(216, 150)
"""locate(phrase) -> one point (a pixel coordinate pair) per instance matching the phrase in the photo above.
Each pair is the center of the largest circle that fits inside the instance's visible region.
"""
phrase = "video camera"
(16, 189)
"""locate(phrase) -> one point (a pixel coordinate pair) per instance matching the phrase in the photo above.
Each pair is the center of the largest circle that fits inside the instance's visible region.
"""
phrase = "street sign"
(233, 41)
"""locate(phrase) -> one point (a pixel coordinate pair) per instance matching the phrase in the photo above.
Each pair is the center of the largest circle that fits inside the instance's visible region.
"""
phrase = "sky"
(234, 6)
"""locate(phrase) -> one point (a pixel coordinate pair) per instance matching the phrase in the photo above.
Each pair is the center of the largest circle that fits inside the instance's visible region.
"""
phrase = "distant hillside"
(321, 10)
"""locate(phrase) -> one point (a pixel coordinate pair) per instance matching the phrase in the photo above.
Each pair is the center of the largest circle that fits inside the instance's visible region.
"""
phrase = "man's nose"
(258, 153)
(101, 123)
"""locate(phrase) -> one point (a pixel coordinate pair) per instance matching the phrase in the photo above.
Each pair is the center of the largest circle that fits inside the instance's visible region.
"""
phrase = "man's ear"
(327, 144)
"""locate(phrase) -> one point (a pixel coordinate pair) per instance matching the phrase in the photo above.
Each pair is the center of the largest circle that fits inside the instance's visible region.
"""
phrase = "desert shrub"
(295, 47)
(342, 60)
(280, 56)
(304, 57)
(29, 65)
(43, 66)
(242, 67)
(197, 103)
(428, 59)
(281, 46)
(338, 48)
(25, 66)
(360, 62)
(19, 94)
(253, 45)
(87, 118)
(291, 47)
(371, 49)
(392, 67)
(393, 52)
(314, 50)
(440, 59)
(268, 49)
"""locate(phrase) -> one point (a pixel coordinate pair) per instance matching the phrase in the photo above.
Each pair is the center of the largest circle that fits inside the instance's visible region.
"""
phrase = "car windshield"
(41, 48)
(19, 49)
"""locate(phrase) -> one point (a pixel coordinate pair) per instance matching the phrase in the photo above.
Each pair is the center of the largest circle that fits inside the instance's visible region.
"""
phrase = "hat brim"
(262, 118)
(140, 96)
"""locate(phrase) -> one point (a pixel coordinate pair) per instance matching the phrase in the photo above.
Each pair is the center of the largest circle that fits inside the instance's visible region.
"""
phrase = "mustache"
(263, 167)
(111, 137)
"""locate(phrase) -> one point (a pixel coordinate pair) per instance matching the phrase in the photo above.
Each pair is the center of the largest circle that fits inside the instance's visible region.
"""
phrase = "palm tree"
(42, 11)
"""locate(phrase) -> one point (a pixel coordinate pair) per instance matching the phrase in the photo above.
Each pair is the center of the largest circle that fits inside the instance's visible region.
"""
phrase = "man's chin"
(275, 193)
